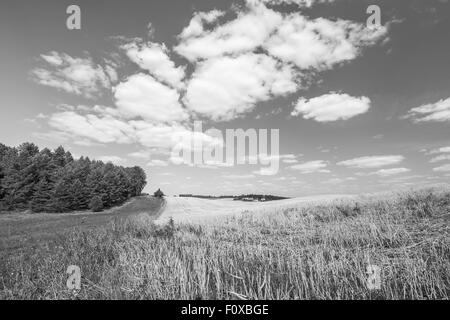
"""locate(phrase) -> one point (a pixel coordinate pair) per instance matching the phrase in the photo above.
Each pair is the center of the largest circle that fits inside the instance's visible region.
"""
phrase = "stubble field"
(308, 250)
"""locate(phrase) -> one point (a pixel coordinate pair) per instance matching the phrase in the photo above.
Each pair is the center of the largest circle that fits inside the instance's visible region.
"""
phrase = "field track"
(19, 229)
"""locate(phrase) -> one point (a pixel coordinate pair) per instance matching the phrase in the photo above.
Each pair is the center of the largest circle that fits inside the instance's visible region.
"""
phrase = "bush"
(158, 194)
(96, 204)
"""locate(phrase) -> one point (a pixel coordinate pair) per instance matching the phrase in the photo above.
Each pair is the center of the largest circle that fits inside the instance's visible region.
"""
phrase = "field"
(208, 211)
(19, 230)
(281, 250)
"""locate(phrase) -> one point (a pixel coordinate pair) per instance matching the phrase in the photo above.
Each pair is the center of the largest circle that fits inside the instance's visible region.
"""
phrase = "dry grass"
(20, 230)
(317, 252)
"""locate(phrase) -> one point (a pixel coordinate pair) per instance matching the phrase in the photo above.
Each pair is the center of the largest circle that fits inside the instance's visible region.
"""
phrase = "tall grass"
(308, 252)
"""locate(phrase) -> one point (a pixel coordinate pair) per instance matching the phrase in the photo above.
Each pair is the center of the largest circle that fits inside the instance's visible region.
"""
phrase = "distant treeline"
(52, 181)
(203, 196)
(259, 197)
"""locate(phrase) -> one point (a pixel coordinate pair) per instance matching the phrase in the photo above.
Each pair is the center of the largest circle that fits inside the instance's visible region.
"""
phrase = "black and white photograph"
(225, 154)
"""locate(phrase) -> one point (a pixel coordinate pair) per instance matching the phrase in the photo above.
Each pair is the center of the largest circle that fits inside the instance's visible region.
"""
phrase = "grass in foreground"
(316, 252)
(20, 230)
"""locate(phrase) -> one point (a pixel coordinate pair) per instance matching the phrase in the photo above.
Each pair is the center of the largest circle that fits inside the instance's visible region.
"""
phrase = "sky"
(359, 108)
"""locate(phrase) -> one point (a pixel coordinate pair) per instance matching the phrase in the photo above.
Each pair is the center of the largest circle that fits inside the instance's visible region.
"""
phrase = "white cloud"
(232, 74)
(154, 58)
(390, 172)
(79, 76)
(320, 43)
(157, 163)
(227, 87)
(331, 107)
(440, 150)
(433, 112)
(195, 26)
(442, 157)
(290, 161)
(113, 159)
(140, 154)
(269, 171)
(169, 136)
(372, 161)
(443, 168)
(317, 43)
(244, 34)
(108, 129)
(265, 158)
(142, 96)
(311, 167)
(101, 129)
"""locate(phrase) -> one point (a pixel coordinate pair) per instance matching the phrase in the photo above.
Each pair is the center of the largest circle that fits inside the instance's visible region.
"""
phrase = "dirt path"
(19, 229)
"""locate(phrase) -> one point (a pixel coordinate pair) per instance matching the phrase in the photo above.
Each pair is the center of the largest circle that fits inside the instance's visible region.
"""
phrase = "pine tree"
(96, 204)
(62, 196)
(59, 157)
(42, 196)
(2, 189)
(79, 199)
(55, 182)
(94, 182)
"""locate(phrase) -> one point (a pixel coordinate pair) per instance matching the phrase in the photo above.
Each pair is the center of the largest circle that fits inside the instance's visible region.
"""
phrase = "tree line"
(53, 181)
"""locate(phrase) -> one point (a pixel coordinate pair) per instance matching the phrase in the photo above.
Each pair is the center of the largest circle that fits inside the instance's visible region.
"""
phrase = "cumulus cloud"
(108, 129)
(154, 58)
(309, 43)
(197, 22)
(232, 74)
(143, 96)
(331, 107)
(444, 168)
(433, 112)
(243, 34)
(256, 56)
(311, 167)
(372, 161)
(320, 43)
(104, 129)
(79, 76)
(169, 136)
(224, 88)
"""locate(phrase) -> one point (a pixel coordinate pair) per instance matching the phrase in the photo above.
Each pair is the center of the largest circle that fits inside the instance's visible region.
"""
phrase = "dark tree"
(158, 193)
(41, 200)
(53, 181)
(96, 204)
